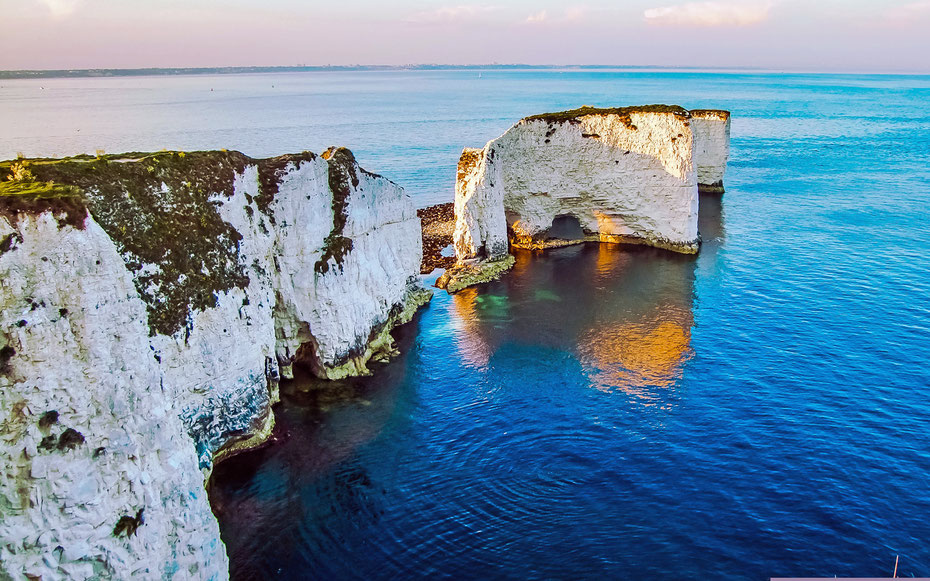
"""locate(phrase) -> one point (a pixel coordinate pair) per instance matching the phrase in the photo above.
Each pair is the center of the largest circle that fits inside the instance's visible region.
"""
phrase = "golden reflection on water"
(637, 357)
(642, 347)
(472, 346)
(639, 347)
(625, 312)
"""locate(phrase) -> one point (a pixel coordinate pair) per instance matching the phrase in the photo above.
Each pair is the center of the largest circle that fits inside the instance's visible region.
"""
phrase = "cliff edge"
(149, 304)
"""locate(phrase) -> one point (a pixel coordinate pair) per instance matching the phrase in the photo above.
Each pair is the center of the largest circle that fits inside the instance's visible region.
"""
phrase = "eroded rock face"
(626, 175)
(623, 174)
(711, 147)
(148, 306)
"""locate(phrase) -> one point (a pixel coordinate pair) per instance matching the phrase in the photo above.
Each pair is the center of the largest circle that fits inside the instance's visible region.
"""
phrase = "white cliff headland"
(620, 175)
(149, 304)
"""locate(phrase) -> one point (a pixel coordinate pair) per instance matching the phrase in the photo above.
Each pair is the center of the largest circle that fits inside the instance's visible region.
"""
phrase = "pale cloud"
(538, 17)
(908, 13)
(710, 14)
(453, 14)
(61, 8)
(570, 14)
(575, 13)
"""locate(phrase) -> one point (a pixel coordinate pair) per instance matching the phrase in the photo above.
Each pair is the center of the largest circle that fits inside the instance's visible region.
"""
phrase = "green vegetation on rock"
(342, 171)
(162, 212)
(21, 193)
(160, 209)
(464, 275)
(573, 115)
(718, 113)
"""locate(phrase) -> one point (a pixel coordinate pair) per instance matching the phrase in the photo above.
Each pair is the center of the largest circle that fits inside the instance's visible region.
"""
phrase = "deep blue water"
(761, 409)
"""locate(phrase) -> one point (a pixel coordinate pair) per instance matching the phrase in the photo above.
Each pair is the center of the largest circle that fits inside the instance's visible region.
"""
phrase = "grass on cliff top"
(177, 228)
(719, 113)
(623, 112)
(38, 190)
(31, 197)
(162, 209)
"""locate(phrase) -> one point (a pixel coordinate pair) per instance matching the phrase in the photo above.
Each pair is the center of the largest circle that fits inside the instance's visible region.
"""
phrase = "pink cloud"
(538, 17)
(909, 13)
(452, 14)
(570, 14)
(61, 8)
(710, 14)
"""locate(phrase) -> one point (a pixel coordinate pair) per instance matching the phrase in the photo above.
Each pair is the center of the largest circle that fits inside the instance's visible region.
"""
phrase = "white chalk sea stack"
(711, 147)
(148, 306)
(625, 175)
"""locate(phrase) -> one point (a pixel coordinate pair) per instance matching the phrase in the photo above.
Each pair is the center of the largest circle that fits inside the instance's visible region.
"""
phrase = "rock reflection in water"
(625, 312)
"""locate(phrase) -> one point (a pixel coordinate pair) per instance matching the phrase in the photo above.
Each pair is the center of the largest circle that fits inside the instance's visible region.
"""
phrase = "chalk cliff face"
(624, 174)
(148, 306)
(612, 175)
(711, 147)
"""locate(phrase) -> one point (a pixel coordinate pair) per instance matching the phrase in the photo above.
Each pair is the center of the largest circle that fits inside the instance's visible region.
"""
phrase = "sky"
(807, 35)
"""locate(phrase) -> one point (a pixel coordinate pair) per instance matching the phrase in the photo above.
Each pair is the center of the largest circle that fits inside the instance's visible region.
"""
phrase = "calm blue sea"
(761, 409)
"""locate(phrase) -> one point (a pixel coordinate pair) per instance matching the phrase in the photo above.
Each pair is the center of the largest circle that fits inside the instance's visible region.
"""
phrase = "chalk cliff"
(149, 304)
(711, 147)
(625, 175)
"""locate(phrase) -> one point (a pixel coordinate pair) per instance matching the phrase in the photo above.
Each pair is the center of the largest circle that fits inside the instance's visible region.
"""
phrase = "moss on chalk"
(574, 115)
(160, 209)
(270, 173)
(48, 419)
(6, 355)
(342, 173)
(70, 439)
(162, 212)
(721, 114)
(23, 194)
(10, 242)
(128, 525)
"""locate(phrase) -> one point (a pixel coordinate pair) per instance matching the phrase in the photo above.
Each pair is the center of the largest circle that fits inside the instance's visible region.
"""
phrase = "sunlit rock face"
(148, 306)
(711, 147)
(627, 175)
(620, 175)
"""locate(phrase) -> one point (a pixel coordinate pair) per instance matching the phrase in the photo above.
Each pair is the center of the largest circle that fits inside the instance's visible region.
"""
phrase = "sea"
(761, 409)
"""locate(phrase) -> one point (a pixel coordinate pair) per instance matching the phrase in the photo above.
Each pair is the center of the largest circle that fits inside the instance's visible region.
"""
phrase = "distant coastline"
(170, 71)
(178, 71)
(162, 71)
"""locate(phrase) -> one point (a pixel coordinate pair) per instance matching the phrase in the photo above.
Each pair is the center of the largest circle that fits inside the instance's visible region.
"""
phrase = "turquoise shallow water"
(760, 409)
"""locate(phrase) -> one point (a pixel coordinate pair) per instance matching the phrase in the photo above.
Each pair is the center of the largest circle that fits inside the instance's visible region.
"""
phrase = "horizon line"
(220, 70)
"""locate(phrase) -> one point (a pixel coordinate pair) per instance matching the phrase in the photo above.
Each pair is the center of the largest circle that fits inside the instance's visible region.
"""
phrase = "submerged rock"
(622, 175)
(471, 272)
(149, 304)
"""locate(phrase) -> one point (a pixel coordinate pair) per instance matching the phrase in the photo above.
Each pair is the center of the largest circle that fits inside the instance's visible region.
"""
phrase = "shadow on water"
(710, 221)
(261, 497)
(488, 443)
